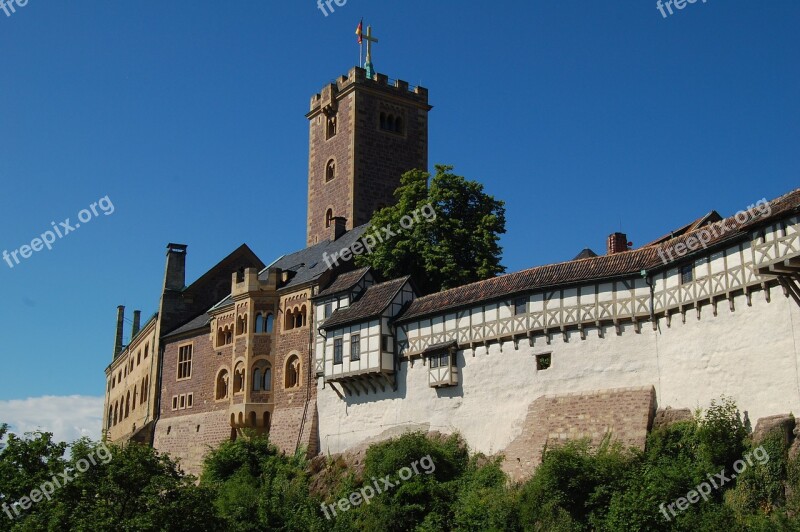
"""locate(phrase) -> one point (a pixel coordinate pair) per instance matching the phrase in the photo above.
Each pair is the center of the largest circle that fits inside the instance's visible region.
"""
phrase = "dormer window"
(442, 369)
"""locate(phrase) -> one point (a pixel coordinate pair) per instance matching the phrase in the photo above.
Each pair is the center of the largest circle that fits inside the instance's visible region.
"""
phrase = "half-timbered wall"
(727, 331)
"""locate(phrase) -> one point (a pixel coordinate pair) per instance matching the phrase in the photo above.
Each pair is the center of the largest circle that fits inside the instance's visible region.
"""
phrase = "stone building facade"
(325, 357)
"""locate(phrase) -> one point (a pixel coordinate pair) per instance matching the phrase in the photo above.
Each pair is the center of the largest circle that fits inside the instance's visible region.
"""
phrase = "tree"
(444, 235)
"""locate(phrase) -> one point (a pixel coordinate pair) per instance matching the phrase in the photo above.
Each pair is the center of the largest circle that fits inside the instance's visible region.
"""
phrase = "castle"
(326, 357)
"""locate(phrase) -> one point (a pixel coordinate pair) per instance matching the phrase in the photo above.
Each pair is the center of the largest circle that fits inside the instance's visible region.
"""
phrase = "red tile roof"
(595, 268)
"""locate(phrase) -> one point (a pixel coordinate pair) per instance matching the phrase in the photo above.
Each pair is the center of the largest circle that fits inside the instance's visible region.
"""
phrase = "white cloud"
(67, 417)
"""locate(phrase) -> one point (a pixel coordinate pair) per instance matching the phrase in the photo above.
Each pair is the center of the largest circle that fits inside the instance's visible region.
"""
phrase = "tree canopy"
(443, 230)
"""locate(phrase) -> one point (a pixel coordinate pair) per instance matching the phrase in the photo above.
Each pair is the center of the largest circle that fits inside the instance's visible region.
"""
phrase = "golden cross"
(370, 39)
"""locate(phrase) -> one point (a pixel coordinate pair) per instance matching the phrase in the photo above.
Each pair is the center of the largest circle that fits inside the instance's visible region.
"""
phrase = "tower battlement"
(358, 76)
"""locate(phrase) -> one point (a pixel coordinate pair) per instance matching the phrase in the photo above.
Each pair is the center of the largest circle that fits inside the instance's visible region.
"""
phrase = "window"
(175, 403)
(270, 322)
(189, 400)
(183, 402)
(330, 171)
(328, 217)
(520, 306)
(185, 362)
(146, 351)
(543, 361)
(328, 310)
(238, 379)
(337, 350)
(386, 343)
(241, 325)
(355, 347)
(687, 275)
(259, 323)
(228, 336)
(330, 129)
(222, 385)
(292, 372)
(262, 377)
(138, 358)
(390, 122)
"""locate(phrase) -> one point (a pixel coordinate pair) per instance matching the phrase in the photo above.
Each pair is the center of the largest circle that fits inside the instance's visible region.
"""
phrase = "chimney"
(175, 276)
(137, 317)
(120, 321)
(338, 227)
(617, 243)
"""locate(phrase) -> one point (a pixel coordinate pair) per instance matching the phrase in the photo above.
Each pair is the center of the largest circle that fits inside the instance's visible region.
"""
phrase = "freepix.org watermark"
(713, 231)
(48, 488)
(367, 243)
(381, 485)
(48, 238)
(665, 7)
(322, 4)
(717, 481)
(8, 6)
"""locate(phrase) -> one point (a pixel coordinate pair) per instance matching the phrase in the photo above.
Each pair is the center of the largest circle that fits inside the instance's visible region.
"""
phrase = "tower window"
(328, 217)
(330, 170)
(390, 122)
(330, 129)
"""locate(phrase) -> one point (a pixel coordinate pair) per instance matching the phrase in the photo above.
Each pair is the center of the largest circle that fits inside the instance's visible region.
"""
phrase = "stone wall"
(625, 415)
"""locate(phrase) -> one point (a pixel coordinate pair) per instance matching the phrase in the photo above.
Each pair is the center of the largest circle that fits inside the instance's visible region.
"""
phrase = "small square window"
(543, 361)
(687, 274)
(520, 306)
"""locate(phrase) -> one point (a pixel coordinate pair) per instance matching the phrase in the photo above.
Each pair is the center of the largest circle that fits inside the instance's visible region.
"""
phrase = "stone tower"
(364, 134)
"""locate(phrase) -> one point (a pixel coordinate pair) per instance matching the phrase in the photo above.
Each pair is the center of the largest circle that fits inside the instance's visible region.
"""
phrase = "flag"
(359, 31)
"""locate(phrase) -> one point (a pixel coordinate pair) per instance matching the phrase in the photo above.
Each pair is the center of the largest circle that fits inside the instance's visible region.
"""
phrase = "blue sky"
(585, 117)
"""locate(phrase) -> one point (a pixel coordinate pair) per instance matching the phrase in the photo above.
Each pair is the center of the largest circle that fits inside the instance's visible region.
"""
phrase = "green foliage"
(459, 246)
(258, 488)
(248, 485)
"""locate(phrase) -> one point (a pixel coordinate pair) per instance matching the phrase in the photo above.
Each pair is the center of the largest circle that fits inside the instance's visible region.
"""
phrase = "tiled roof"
(344, 282)
(308, 264)
(371, 304)
(198, 323)
(591, 269)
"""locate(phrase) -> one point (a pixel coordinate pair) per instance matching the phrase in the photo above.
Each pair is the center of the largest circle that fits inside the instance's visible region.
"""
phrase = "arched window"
(390, 123)
(398, 125)
(228, 336)
(146, 350)
(262, 376)
(116, 412)
(330, 170)
(238, 378)
(383, 120)
(241, 325)
(289, 320)
(127, 404)
(270, 323)
(146, 389)
(292, 372)
(222, 384)
(266, 421)
(331, 127)
(138, 358)
(252, 418)
(135, 396)
(110, 422)
(256, 379)
(259, 323)
(328, 217)
(220, 337)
